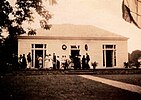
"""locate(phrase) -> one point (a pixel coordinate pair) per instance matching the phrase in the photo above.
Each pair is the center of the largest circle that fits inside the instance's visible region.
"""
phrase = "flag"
(131, 11)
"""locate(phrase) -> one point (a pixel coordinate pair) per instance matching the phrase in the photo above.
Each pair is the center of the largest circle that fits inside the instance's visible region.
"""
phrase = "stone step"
(79, 73)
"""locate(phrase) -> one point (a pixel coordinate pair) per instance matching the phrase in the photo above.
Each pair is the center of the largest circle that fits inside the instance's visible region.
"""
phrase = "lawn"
(59, 87)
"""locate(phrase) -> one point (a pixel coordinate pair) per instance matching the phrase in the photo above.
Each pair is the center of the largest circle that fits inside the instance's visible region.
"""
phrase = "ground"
(65, 87)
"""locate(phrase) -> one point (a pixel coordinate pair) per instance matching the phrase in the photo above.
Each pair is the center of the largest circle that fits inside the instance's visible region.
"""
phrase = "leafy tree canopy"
(12, 17)
(135, 55)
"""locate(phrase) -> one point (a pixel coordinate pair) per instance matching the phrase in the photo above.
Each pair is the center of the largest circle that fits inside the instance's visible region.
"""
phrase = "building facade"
(109, 50)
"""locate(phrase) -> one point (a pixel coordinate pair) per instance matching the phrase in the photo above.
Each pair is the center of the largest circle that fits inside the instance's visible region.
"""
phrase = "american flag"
(131, 11)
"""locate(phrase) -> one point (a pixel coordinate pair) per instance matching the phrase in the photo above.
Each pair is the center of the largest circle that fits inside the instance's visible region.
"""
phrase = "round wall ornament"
(86, 47)
(64, 47)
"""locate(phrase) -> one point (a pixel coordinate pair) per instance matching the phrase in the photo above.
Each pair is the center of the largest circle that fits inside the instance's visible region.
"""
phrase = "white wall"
(94, 48)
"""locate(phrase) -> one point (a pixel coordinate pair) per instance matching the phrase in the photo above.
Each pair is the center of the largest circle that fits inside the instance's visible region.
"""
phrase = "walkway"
(122, 85)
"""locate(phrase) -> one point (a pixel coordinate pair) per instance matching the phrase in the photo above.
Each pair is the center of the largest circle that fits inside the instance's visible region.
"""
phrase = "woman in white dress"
(40, 59)
(46, 62)
(50, 61)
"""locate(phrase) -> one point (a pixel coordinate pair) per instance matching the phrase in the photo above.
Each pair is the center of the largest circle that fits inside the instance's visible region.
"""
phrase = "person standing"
(54, 61)
(87, 61)
(67, 62)
(20, 60)
(37, 62)
(63, 60)
(79, 62)
(47, 62)
(29, 60)
(50, 61)
(40, 59)
(83, 62)
(58, 63)
(24, 63)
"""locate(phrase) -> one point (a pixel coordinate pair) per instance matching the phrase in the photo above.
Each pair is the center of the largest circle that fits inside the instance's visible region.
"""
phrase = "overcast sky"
(106, 14)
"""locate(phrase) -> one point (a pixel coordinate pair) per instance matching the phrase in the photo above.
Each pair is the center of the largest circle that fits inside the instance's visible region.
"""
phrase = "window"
(75, 46)
(109, 46)
(32, 45)
(109, 55)
(38, 45)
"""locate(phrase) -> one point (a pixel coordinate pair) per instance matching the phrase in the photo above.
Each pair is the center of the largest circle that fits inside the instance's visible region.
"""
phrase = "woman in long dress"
(48, 62)
(40, 59)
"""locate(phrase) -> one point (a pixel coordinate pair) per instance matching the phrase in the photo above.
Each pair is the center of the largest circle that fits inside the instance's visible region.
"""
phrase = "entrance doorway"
(75, 53)
(109, 58)
(38, 50)
(38, 53)
(75, 59)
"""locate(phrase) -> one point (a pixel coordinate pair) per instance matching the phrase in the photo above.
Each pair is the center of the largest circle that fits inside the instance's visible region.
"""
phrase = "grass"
(59, 87)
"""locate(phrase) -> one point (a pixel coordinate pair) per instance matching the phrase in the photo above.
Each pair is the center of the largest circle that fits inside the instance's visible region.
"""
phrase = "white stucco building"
(108, 49)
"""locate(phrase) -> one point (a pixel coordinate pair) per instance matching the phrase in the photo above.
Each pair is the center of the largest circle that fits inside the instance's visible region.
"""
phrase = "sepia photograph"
(70, 49)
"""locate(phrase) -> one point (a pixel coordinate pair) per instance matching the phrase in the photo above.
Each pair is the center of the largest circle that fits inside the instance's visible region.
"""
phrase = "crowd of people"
(21, 62)
(55, 62)
(25, 62)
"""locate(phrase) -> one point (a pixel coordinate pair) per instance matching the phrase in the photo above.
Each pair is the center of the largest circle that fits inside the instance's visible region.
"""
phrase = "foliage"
(135, 55)
(12, 19)
(22, 11)
(94, 64)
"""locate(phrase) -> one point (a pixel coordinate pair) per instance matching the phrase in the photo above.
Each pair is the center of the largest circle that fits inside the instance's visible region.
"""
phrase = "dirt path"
(122, 85)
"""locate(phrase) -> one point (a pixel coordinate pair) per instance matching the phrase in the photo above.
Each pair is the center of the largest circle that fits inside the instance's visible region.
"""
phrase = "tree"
(12, 19)
(135, 55)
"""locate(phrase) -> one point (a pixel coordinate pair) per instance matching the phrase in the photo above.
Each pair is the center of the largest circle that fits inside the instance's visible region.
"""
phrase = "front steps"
(79, 72)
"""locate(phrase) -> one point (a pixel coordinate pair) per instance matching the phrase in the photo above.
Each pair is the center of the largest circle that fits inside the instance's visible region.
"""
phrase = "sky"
(105, 14)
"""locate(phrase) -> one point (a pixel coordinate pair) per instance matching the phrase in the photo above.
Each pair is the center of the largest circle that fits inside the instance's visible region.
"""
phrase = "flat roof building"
(108, 49)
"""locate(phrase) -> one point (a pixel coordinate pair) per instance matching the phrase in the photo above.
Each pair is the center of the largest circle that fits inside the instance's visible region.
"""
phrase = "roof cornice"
(71, 38)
